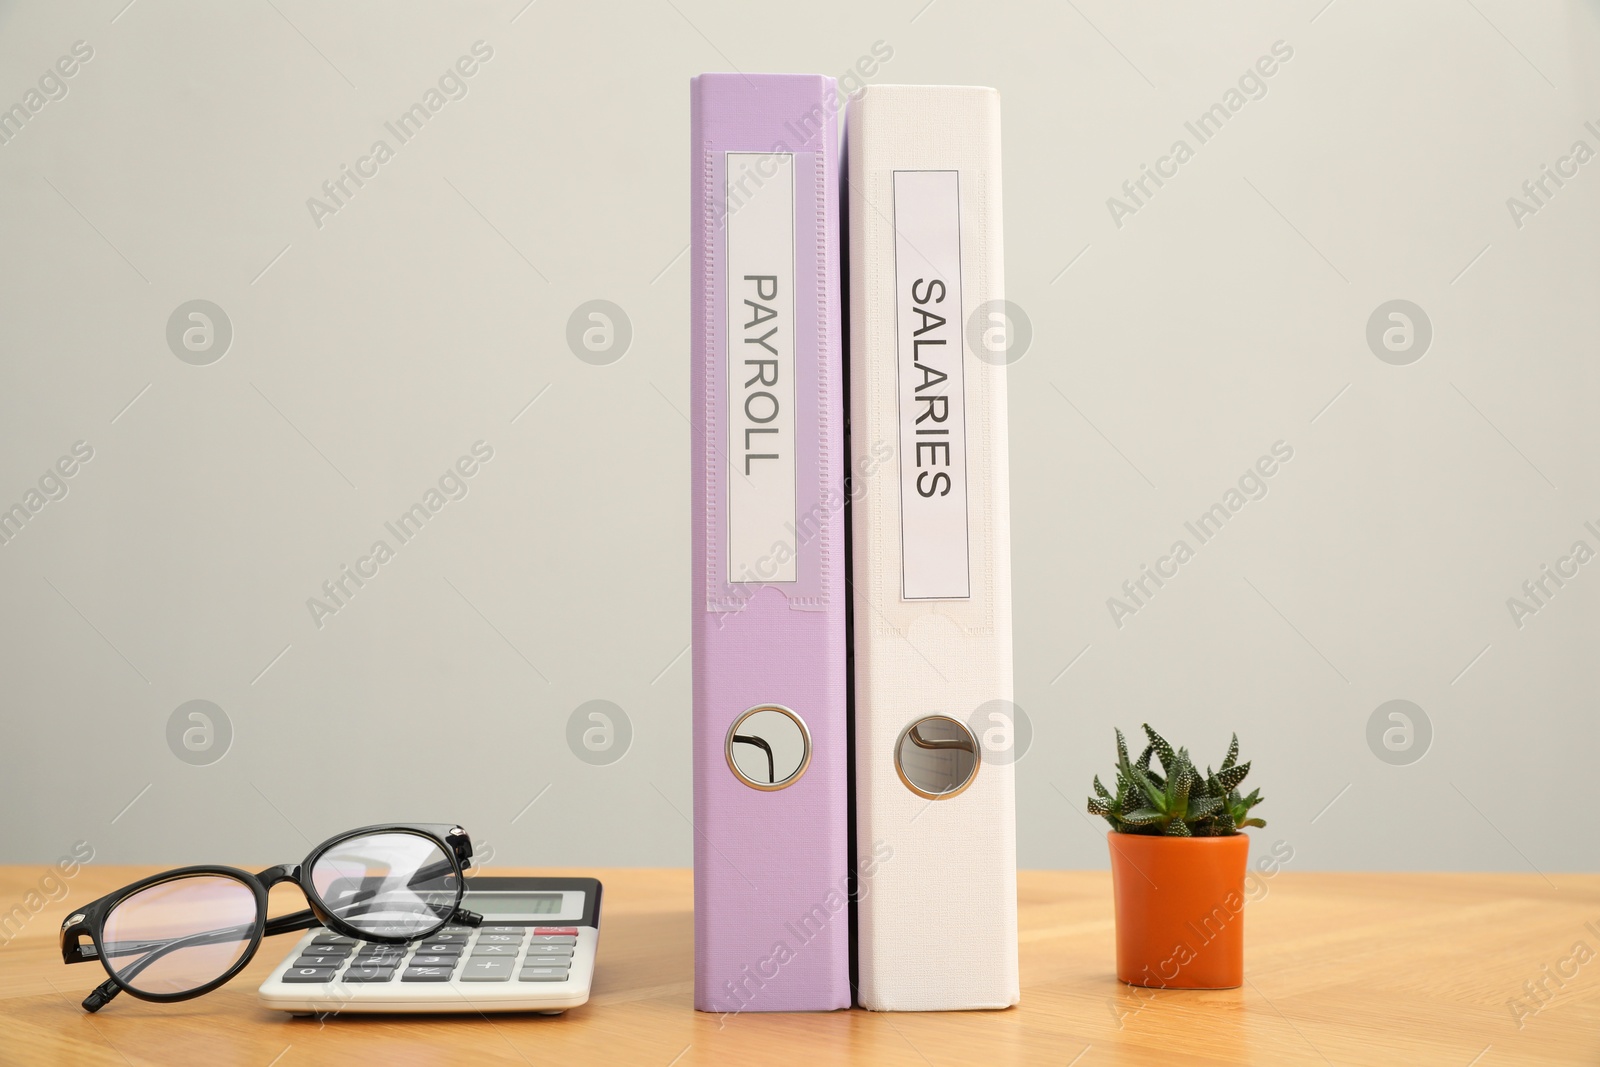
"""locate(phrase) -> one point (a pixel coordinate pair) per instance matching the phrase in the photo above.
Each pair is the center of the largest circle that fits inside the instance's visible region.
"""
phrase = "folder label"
(931, 394)
(761, 367)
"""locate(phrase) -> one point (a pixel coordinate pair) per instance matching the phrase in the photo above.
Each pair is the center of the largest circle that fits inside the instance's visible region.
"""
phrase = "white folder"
(931, 586)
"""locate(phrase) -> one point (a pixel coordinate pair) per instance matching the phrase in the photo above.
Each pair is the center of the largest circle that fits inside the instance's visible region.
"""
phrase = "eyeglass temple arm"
(303, 920)
(362, 901)
(155, 950)
(433, 872)
(101, 996)
(105, 991)
(283, 924)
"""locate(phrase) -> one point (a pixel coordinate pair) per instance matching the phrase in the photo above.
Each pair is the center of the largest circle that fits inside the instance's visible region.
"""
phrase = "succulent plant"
(1176, 801)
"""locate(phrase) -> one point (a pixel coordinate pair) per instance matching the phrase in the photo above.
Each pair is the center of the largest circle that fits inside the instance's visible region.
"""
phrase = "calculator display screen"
(515, 903)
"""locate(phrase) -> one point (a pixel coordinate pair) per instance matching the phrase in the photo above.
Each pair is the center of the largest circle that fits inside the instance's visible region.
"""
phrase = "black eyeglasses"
(185, 932)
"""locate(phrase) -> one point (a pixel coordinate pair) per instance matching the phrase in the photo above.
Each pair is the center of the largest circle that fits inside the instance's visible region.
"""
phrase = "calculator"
(534, 952)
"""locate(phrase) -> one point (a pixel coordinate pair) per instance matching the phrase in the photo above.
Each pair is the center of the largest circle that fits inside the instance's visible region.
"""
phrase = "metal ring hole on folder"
(768, 747)
(936, 757)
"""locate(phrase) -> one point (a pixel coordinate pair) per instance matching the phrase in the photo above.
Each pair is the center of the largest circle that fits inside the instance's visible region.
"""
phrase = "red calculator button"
(543, 930)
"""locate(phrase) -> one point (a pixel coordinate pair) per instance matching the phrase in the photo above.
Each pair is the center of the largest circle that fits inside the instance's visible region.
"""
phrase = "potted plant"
(1178, 857)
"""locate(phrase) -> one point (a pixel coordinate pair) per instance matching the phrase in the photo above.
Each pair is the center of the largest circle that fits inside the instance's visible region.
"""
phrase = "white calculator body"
(534, 952)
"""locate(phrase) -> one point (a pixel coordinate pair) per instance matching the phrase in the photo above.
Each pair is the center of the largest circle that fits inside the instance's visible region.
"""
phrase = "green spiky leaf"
(1156, 795)
(1163, 750)
(1203, 807)
(1178, 786)
(1232, 776)
(1177, 800)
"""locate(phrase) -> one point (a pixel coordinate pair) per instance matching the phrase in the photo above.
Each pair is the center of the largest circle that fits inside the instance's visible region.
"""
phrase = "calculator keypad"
(487, 954)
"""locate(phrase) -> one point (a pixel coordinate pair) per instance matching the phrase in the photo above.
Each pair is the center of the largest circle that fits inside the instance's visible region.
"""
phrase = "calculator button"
(445, 938)
(479, 969)
(308, 974)
(367, 974)
(440, 948)
(555, 939)
(426, 974)
(496, 950)
(500, 939)
(420, 960)
(456, 928)
(573, 930)
(550, 950)
(332, 939)
(319, 961)
(543, 974)
(518, 930)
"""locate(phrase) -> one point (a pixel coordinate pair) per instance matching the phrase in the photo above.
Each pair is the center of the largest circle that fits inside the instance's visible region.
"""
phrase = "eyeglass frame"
(89, 921)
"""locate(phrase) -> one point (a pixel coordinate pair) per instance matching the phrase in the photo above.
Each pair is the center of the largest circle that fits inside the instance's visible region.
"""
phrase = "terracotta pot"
(1180, 910)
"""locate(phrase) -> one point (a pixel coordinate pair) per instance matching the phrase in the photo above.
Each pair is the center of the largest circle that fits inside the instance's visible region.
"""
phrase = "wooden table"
(1412, 969)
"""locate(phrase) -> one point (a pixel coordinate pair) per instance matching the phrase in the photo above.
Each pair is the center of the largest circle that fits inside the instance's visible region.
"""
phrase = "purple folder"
(767, 450)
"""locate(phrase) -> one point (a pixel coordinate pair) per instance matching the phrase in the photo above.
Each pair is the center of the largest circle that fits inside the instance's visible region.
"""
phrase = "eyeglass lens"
(179, 934)
(389, 884)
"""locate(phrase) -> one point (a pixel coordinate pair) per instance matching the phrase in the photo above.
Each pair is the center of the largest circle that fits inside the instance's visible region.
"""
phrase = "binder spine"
(931, 580)
(771, 851)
